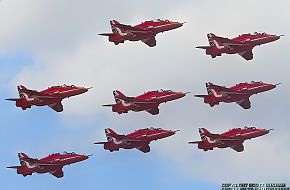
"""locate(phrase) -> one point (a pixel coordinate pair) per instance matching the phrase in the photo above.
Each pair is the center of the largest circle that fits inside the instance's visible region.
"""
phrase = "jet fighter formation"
(146, 31)
(51, 97)
(52, 164)
(148, 101)
(233, 138)
(239, 93)
(139, 139)
(242, 45)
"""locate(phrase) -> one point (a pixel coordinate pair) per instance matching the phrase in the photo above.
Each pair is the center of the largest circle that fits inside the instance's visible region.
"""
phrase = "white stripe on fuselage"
(244, 134)
(251, 88)
(159, 97)
(63, 91)
(217, 45)
(260, 38)
(215, 93)
(28, 165)
(120, 31)
(26, 97)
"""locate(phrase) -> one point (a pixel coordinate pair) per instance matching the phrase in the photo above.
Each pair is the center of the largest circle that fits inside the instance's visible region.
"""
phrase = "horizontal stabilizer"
(106, 34)
(100, 142)
(12, 99)
(108, 105)
(200, 96)
(202, 47)
(194, 142)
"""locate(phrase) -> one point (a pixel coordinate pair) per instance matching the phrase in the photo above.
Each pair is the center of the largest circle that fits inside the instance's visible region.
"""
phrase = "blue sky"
(44, 43)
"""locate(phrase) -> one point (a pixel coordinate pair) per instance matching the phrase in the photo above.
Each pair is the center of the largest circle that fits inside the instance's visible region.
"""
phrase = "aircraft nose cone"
(272, 86)
(275, 37)
(265, 131)
(84, 157)
(181, 94)
(178, 24)
(170, 133)
(83, 89)
(261, 132)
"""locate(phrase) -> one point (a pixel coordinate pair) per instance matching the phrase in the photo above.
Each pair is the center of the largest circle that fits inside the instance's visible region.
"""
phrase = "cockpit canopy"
(65, 153)
(152, 128)
(159, 20)
(258, 33)
(246, 127)
(253, 82)
(161, 90)
(63, 86)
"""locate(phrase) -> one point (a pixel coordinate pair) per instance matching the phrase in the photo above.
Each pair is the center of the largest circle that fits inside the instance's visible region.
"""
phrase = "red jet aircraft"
(51, 97)
(148, 101)
(139, 139)
(52, 164)
(145, 31)
(233, 138)
(239, 93)
(242, 44)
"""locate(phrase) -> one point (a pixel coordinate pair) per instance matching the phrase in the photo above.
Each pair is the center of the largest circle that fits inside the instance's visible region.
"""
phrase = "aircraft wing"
(247, 55)
(56, 106)
(125, 138)
(144, 149)
(225, 90)
(222, 138)
(153, 111)
(245, 103)
(39, 162)
(138, 102)
(57, 173)
(39, 95)
(238, 148)
(230, 42)
(151, 42)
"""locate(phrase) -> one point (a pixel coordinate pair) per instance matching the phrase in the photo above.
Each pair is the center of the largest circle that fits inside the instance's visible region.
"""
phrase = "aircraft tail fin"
(204, 133)
(110, 133)
(22, 90)
(114, 22)
(118, 95)
(213, 40)
(22, 156)
(209, 86)
(211, 35)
